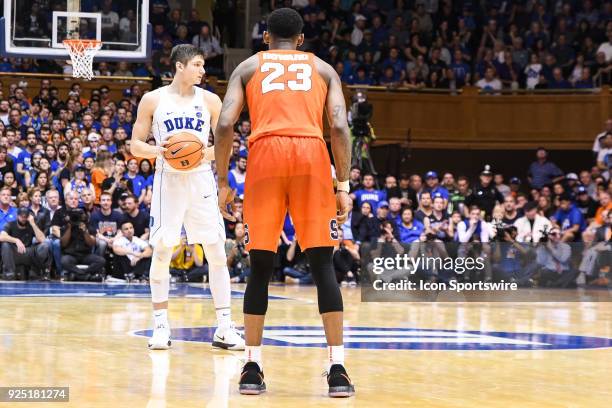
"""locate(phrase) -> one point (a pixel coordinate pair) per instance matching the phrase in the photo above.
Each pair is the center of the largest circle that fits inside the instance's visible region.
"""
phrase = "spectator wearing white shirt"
(606, 47)
(110, 21)
(213, 53)
(357, 34)
(532, 71)
(4, 112)
(473, 227)
(604, 157)
(490, 83)
(207, 43)
(531, 227)
(601, 136)
(132, 254)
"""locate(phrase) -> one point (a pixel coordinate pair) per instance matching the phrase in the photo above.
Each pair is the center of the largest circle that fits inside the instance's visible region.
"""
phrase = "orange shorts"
(289, 173)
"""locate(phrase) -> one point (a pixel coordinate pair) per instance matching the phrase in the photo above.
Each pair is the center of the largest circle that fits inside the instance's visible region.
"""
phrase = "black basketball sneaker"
(340, 385)
(252, 379)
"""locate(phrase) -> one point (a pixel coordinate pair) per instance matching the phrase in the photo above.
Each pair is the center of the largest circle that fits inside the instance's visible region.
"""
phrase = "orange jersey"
(286, 95)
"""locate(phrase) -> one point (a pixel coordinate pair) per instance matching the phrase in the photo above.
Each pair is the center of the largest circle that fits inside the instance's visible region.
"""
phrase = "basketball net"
(82, 53)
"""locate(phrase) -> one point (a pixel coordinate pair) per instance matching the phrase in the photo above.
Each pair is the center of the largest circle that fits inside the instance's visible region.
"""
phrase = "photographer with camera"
(187, 262)
(532, 227)
(298, 269)
(70, 225)
(553, 258)
(238, 261)
(387, 246)
(510, 258)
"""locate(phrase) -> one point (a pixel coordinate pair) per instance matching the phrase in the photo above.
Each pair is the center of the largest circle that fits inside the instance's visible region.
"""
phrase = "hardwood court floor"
(85, 339)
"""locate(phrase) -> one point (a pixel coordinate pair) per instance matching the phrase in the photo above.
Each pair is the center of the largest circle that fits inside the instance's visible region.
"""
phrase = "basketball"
(184, 151)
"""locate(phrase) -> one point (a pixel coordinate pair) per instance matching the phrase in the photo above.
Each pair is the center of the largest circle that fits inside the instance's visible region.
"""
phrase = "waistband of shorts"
(250, 143)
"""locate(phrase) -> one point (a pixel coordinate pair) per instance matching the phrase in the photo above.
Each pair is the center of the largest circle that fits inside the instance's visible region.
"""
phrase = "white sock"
(253, 353)
(335, 355)
(160, 317)
(224, 318)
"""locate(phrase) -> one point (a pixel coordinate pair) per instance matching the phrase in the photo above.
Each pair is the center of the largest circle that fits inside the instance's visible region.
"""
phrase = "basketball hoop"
(82, 53)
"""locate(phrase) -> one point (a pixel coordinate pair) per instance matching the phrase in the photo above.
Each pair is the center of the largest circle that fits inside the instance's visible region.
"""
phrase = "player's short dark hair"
(183, 53)
(285, 23)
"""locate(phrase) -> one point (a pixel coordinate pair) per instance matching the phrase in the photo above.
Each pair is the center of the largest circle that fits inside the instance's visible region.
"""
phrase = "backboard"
(36, 28)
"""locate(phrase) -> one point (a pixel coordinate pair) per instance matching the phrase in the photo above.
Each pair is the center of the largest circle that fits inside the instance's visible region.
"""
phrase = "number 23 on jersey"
(276, 70)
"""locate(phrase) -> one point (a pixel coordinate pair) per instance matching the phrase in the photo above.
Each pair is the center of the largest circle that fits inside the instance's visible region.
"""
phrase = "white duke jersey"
(171, 118)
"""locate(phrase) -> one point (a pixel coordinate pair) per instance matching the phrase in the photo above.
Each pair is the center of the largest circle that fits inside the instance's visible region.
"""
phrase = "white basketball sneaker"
(228, 339)
(160, 339)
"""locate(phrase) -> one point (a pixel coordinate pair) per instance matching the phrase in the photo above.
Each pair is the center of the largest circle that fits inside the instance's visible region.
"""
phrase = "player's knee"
(256, 293)
(215, 254)
(160, 264)
(324, 277)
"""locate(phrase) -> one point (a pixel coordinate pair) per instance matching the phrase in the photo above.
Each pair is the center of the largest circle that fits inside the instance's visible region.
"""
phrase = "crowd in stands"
(74, 204)
(119, 24)
(411, 44)
(414, 44)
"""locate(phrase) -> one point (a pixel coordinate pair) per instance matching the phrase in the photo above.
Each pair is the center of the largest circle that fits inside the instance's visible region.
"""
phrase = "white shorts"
(188, 199)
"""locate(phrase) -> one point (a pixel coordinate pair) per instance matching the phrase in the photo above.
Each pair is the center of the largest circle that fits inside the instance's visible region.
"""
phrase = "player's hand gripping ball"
(184, 151)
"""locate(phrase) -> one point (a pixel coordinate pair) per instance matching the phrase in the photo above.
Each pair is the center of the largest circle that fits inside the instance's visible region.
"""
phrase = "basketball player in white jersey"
(182, 197)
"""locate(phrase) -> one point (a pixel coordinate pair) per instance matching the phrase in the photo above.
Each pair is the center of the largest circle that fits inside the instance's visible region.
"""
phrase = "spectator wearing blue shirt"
(379, 32)
(23, 164)
(139, 184)
(569, 219)
(432, 184)
(237, 176)
(120, 121)
(350, 65)
(389, 77)
(34, 119)
(395, 62)
(7, 212)
(542, 172)
(362, 78)
(159, 35)
(460, 69)
(585, 81)
(558, 82)
(409, 229)
(368, 194)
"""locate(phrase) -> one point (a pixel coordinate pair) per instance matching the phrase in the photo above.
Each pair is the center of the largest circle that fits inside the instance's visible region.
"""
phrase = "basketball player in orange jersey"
(184, 197)
(289, 169)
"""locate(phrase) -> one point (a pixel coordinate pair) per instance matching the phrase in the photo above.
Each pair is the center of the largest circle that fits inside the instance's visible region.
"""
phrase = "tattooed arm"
(336, 115)
(224, 134)
(340, 135)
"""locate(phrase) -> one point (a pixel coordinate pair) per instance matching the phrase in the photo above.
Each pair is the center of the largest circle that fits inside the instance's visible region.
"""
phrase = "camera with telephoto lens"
(544, 231)
(76, 216)
(501, 229)
(361, 113)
